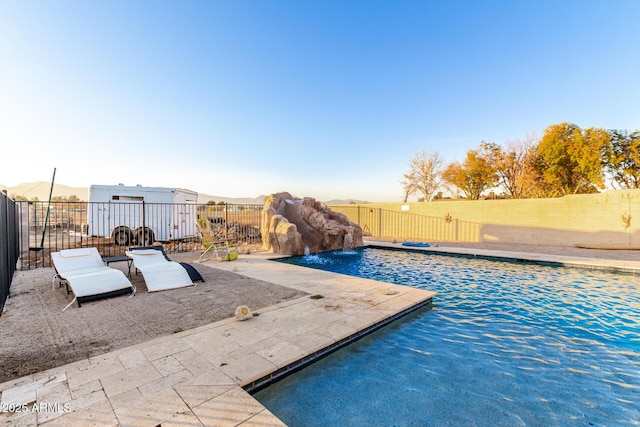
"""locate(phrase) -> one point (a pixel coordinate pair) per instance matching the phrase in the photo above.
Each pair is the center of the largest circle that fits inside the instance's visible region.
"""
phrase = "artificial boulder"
(296, 226)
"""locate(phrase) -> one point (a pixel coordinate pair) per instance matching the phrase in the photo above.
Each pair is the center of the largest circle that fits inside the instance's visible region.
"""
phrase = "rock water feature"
(303, 226)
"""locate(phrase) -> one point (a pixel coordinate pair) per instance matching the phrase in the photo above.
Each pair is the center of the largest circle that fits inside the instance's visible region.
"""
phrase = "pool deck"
(199, 377)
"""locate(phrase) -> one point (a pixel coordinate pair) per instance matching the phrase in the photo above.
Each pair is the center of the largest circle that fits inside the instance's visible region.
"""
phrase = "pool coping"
(294, 367)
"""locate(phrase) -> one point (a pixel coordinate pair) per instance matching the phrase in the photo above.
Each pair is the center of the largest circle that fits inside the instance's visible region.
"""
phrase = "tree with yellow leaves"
(569, 159)
(622, 158)
(476, 173)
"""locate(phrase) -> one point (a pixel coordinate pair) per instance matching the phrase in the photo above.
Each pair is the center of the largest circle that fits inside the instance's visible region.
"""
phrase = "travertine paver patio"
(195, 377)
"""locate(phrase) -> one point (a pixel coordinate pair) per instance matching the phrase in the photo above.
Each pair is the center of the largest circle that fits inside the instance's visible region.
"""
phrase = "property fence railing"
(9, 245)
(114, 227)
(383, 223)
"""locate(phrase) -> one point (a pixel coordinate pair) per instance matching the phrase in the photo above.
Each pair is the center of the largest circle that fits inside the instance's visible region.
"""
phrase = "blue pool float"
(416, 244)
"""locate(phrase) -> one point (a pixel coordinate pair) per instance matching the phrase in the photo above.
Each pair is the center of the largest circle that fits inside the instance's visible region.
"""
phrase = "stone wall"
(608, 218)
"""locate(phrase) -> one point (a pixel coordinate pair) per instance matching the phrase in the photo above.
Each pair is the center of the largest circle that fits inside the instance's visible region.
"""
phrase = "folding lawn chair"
(213, 244)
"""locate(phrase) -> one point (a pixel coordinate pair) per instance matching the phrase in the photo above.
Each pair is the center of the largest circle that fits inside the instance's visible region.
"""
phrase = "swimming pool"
(505, 344)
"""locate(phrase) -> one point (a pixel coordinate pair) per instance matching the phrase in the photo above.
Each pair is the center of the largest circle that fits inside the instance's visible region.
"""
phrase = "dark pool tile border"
(285, 371)
(517, 260)
(511, 259)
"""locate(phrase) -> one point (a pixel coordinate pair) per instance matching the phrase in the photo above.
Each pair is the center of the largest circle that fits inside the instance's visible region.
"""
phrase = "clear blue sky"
(328, 99)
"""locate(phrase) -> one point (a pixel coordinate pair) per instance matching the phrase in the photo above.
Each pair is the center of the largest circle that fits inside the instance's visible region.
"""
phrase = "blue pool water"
(505, 344)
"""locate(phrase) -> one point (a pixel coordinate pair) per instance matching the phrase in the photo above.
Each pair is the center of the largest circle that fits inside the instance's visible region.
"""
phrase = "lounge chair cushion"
(191, 270)
(159, 274)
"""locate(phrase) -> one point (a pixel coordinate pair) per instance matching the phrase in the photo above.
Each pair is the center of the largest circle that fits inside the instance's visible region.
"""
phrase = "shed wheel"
(121, 237)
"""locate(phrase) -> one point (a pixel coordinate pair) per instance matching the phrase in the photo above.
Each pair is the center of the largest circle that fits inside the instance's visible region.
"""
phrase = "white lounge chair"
(84, 272)
(159, 274)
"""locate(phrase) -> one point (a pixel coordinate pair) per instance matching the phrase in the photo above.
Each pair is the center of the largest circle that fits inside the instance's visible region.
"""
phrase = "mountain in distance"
(40, 189)
(204, 198)
(346, 202)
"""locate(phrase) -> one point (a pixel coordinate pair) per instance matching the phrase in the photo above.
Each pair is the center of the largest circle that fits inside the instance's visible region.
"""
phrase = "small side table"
(109, 259)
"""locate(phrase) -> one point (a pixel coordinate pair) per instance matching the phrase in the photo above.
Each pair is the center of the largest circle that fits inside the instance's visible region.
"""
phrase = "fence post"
(5, 278)
(456, 236)
(226, 221)
(8, 244)
(144, 221)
